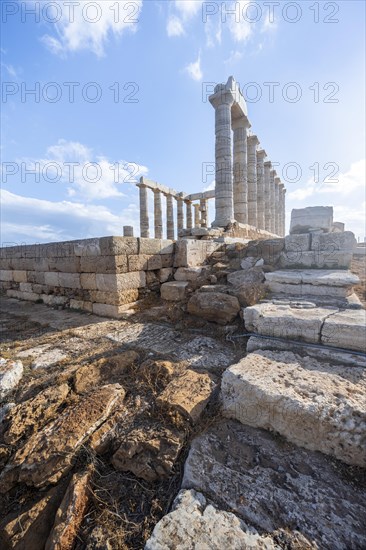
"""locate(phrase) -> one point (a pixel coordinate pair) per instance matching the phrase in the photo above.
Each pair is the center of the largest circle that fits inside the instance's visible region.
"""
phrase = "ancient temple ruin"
(247, 192)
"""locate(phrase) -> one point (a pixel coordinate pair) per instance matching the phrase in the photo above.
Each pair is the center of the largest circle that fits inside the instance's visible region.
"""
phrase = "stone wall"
(100, 276)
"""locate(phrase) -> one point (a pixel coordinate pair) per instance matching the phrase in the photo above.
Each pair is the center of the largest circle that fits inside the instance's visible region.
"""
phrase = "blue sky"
(140, 79)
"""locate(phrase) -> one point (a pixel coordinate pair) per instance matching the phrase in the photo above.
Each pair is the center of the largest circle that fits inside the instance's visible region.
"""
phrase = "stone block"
(301, 290)
(192, 253)
(20, 276)
(104, 264)
(37, 277)
(214, 306)
(6, 275)
(334, 242)
(52, 279)
(51, 300)
(26, 287)
(38, 289)
(6, 264)
(346, 329)
(165, 273)
(298, 243)
(120, 282)
(38, 264)
(156, 246)
(311, 218)
(167, 260)
(190, 274)
(81, 305)
(337, 227)
(65, 265)
(116, 298)
(154, 263)
(88, 281)
(106, 310)
(314, 259)
(313, 404)
(116, 246)
(19, 295)
(174, 291)
(138, 262)
(69, 280)
(87, 248)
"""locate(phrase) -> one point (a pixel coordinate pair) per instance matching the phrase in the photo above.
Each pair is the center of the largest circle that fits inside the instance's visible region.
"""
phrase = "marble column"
(158, 217)
(261, 154)
(273, 174)
(197, 217)
(252, 180)
(282, 212)
(189, 214)
(169, 217)
(283, 204)
(144, 211)
(180, 215)
(204, 212)
(278, 205)
(222, 103)
(267, 195)
(240, 184)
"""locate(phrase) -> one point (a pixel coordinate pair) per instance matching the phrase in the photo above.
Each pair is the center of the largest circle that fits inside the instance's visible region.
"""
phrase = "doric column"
(252, 180)
(273, 174)
(169, 217)
(180, 215)
(278, 205)
(197, 218)
(240, 184)
(261, 154)
(282, 212)
(127, 231)
(144, 210)
(222, 102)
(204, 212)
(158, 217)
(267, 195)
(189, 213)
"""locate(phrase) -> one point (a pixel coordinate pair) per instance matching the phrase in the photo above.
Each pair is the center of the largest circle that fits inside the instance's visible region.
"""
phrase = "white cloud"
(234, 57)
(174, 26)
(31, 220)
(188, 8)
(89, 25)
(92, 177)
(194, 69)
(240, 27)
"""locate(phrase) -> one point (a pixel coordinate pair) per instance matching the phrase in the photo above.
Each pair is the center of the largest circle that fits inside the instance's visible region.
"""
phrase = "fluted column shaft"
(240, 184)
(144, 211)
(180, 214)
(273, 174)
(189, 214)
(282, 213)
(197, 218)
(204, 212)
(158, 217)
(252, 180)
(278, 205)
(267, 195)
(261, 154)
(169, 217)
(224, 163)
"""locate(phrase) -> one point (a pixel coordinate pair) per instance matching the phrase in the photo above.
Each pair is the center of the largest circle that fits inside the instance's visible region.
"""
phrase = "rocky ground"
(109, 426)
(358, 267)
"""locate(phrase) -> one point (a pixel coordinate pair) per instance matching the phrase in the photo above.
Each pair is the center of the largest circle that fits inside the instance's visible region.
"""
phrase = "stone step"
(337, 283)
(314, 404)
(302, 322)
(351, 301)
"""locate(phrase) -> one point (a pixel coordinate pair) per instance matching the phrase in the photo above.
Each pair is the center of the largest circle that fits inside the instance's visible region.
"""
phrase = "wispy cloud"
(194, 69)
(175, 26)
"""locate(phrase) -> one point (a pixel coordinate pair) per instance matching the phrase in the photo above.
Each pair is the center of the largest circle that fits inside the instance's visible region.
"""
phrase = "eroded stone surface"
(11, 372)
(194, 523)
(214, 306)
(346, 329)
(313, 404)
(271, 484)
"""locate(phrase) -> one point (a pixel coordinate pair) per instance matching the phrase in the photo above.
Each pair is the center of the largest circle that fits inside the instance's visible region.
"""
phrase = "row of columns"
(199, 219)
(247, 188)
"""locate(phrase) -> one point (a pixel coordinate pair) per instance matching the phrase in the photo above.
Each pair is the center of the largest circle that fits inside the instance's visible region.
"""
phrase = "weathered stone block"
(156, 246)
(167, 260)
(66, 265)
(6, 275)
(117, 298)
(69, 280)
(154, 263)
(214, 306)
(20, 276)
(88, 281)
(138, 262)
(346, 329)
(316, 259)
(26, 287)
(106, 310)
(123, 281)
(304, 220)
(334, 242)
(116, 246)
(174, 291)
(87, 248)
(19, 295)
(37, 277)
(165, 273)
(190, 274)
(51, 300)
(295, 243)
(104, 264)
(192, 253)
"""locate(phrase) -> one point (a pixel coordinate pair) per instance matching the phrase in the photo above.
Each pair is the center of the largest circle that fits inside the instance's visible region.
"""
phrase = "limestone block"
(194, 523)
(138, 262)
(6, 275)
(69, 280)
(88, 281)
(107, 310)
(37, 277)
(337, 227)
(117, 298)
(20, 276)
(165, 273)
(214, 306)
(52, 279)
(104, 264)
(309, 290)
(192, 253)
(154, 262)
(19, 295)
(316, 277)
(314, 259)
(39, 264)
(277, 486)
(190, 274)
(304, 220)
(66, 265)
(333, 242)
(299, 242)
(346, 329)
(26, 287)
(120, 282)
(6, 264)
(284, 321)
(88, 247)
(174, 291)
(51, 300)
(167, 260)
(313, 404)
(115, 246)
(39, 289)
(188, 393)
(156, 246)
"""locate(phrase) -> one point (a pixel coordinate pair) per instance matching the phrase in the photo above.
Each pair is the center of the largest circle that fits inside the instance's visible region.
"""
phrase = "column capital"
(273, 174)
(277, 180)
(261, 154)
(240, 122)
(268, 164)
(253, 140)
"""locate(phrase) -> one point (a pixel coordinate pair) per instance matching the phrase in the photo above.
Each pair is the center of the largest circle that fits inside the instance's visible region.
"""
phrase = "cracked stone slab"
(313, 404)
(316, 277)
(271, 484)
(346, 329)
